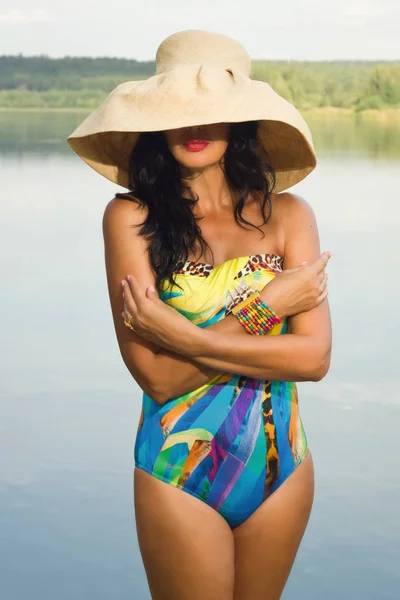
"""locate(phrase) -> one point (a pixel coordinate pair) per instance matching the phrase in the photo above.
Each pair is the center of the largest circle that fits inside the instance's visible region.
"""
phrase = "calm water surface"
(69, 407)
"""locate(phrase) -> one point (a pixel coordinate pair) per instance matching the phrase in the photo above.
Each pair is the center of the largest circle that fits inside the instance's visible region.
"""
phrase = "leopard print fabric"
(255, 262)
(261, 261)
(192, 267)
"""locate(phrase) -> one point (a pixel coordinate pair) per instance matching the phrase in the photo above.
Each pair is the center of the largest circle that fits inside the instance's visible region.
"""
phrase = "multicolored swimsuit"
(233, 441)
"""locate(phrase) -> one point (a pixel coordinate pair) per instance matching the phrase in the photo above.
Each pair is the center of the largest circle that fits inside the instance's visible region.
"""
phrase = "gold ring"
(129, 322)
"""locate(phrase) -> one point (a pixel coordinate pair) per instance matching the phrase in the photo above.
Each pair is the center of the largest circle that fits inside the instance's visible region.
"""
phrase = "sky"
(289, 29)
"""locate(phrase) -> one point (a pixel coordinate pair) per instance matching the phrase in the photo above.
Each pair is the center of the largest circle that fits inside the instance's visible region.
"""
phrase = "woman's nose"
(195, 128)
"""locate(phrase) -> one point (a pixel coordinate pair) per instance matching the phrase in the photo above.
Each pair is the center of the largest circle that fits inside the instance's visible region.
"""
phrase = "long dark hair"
(155, 181)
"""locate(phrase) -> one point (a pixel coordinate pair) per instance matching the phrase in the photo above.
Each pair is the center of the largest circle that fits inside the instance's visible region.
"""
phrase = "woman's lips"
(196, 145)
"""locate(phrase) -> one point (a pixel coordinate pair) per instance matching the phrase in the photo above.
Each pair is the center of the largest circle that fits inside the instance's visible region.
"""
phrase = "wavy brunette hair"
(155, 181)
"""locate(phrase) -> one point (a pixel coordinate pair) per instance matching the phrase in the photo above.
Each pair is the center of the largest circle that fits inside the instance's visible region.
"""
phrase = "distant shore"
(331, 112)
(316, 88)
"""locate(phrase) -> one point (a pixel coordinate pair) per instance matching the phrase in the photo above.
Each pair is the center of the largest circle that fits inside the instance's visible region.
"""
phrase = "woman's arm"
(294, 291)
(161, 373)
(301, 355)
(126, 252)
(181, 374)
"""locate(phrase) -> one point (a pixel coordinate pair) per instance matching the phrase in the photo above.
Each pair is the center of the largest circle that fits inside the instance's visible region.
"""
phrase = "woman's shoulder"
(289, 202)
(125, 208)
(291, 209)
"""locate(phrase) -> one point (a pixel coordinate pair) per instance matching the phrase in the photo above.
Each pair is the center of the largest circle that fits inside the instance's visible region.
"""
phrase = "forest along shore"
(325, 87)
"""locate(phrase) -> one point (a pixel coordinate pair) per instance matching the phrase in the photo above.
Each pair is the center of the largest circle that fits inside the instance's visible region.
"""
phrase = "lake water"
(69, 407)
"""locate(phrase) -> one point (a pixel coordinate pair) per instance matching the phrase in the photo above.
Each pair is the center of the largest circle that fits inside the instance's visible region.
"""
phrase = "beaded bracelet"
(255, 315)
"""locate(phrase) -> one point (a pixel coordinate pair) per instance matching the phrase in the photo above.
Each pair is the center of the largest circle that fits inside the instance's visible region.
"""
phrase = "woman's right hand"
(298, 290)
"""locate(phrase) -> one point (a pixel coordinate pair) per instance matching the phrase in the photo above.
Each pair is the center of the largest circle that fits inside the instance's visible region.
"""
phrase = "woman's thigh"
(186, 546)
(266, 544)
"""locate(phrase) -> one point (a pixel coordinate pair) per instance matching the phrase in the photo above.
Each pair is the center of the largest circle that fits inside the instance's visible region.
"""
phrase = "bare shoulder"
(125, 248)
(290, 208)
(299, 227)
(296, 218)
(122, 225)
(124, 212)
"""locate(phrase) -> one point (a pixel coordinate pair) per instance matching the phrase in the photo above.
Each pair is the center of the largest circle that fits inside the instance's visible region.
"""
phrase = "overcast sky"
(289, 29)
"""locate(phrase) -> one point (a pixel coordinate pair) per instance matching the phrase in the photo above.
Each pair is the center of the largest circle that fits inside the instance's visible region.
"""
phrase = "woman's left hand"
(155, 321)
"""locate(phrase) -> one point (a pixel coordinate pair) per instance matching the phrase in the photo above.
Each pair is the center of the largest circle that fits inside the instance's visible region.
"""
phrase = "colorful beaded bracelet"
(255, 315)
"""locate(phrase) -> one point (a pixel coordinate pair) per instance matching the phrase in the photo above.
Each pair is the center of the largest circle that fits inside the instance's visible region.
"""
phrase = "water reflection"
(358, 135)
(45, 133)
(69, 408)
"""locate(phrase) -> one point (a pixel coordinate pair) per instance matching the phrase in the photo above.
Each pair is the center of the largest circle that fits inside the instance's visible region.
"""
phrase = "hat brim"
(106, 137)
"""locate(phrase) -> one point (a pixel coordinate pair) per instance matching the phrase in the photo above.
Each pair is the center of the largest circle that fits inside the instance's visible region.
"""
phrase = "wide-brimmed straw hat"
(201, 78)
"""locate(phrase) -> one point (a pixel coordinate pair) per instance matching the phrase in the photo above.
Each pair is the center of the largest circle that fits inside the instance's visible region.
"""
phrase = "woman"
(223, 474)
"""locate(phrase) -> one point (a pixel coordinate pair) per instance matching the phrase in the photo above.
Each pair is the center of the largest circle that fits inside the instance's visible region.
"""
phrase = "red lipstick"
(195, 145)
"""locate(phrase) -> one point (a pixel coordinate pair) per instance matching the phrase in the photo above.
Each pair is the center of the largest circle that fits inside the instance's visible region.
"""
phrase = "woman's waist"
(232, 388)
(235, 410)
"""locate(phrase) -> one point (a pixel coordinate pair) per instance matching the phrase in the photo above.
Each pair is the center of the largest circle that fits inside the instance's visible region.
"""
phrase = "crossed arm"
(303, 354)
(182, 374)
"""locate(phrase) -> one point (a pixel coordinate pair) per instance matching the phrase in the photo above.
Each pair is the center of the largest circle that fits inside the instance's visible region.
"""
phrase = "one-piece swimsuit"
(234, 440)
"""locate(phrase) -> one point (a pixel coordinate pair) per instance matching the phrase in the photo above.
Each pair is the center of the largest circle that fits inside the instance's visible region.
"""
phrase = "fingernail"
(123, 282)
(330, 253)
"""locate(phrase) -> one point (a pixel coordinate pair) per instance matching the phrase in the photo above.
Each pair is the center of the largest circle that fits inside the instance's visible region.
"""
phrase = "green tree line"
(75, 82)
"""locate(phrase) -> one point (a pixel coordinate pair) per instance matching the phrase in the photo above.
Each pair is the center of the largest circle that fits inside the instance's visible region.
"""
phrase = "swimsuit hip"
(233, 441)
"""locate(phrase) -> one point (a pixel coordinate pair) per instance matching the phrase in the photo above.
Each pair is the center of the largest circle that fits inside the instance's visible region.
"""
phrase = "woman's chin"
(198, 160)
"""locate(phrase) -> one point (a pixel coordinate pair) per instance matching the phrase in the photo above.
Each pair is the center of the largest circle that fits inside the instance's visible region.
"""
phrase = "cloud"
(21, 17)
